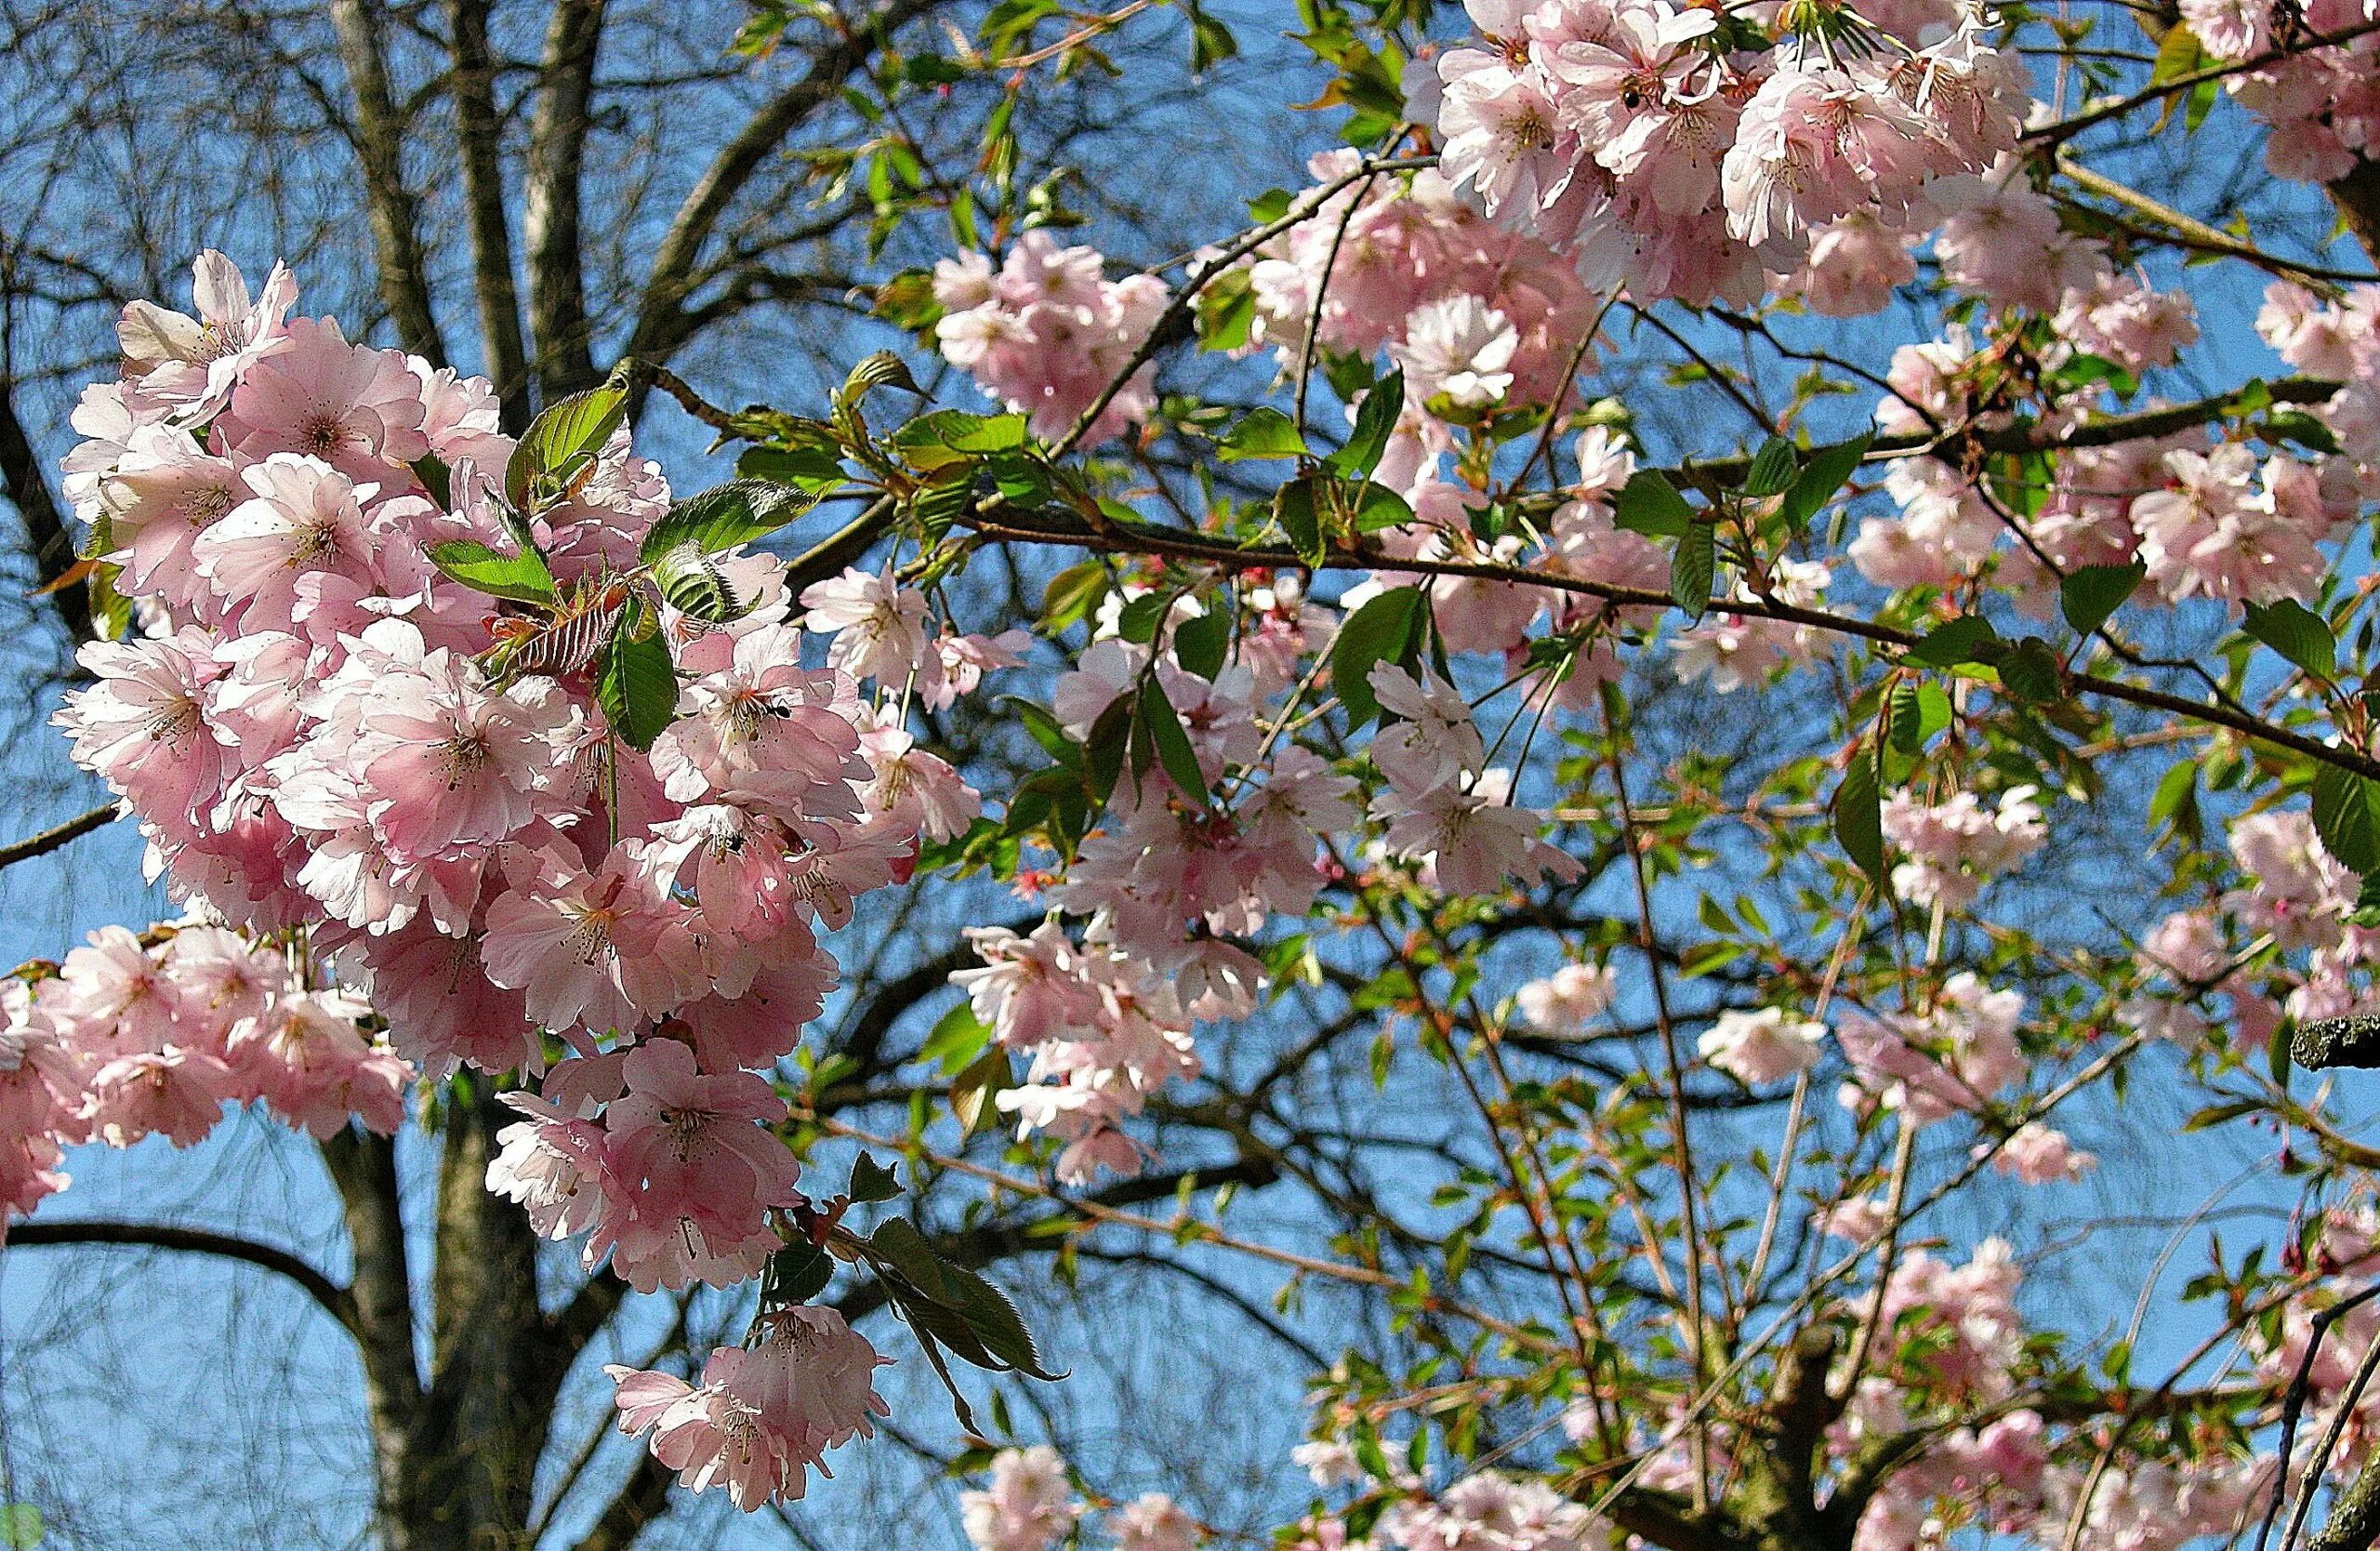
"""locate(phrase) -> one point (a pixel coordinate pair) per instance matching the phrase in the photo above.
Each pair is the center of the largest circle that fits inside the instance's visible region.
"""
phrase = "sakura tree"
(1423, 718)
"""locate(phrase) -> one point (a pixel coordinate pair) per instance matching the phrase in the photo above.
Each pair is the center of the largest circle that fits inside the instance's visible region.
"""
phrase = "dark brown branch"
(641, 1500)
(996, 521)
(480, 129)
(59, 837)
(558, 130)
(334, 1299)
(49, 537)
(660, 322)
(395, 216)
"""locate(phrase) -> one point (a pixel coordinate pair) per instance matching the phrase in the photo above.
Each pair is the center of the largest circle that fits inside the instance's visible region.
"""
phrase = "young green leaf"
(1295, 506)
(1858, 816)
(872, 1181)
(564, 435)
(2347, 816)
(1385, 629)
(1824, 471)
(635, 684)
(2031, 671)
(1375, 422)
(1954, 642)
(1771, 470)
(1072, 594)
(1693, 566)
(1171, 741)
(724, 516)
(1200, 644)
(2089, 596)
(1265, 433)
(2297, 633)
(522, 578)
(1649, 504)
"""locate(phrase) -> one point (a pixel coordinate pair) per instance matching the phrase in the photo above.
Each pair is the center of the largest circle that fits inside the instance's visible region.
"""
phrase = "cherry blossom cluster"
(2320, 106)
(1477, 315)
(131, 1038)
(2205, 519)
(2291, 895)
(330, 739)
(1046, 332)
(1683, 156)
(1956, 846)
(764, 1414)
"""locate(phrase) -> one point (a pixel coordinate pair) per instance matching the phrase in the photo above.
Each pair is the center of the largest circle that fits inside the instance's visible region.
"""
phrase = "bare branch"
(334, 1299)
(59, 837)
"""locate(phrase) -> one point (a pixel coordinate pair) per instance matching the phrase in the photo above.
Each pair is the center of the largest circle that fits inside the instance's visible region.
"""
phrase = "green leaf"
(565, 434)
(2174, 802)
(635, 685)
(1954, 642)
(1772, 468)
(796, 1274)
(696, 587)
(724, 516)
(2297, 633)
(1072, 594)
(1294, 508)
(1378, 508)
(960, 432)
(1139, 619)
(872, 1181)
(437, 478)
(882, 369)
(1858, 816)
(973, 1091)
(1693, 566)
(22, 1527)
(1171, 741)
(2031, 671)
(1649, 504)
(1824, 472)
(522, 578)
(1103, 750)
(897, 1244)
(2295, 425)
(1211, 42)
(958, 1037)
(1200, 644)
(1387, 628)
(1905, 716)
(993, 1321)
(1265, 433)
(2092, 594)
(2347, 816)
(1375, 422)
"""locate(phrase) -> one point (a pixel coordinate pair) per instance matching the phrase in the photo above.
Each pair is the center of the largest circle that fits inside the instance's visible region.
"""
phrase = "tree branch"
(659, 325)
(334, 1299)
(59, 837)
(558, 130)
(480, 129)
(379, 146)
(48, 536)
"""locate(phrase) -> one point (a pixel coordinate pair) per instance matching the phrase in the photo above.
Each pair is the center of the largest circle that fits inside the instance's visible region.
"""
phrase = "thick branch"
(363, 1167)
(660, 325)
(558, 131)
(48, 536)
(641, 1500)
(379, 147)
(480, 130)
(334, 1299)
